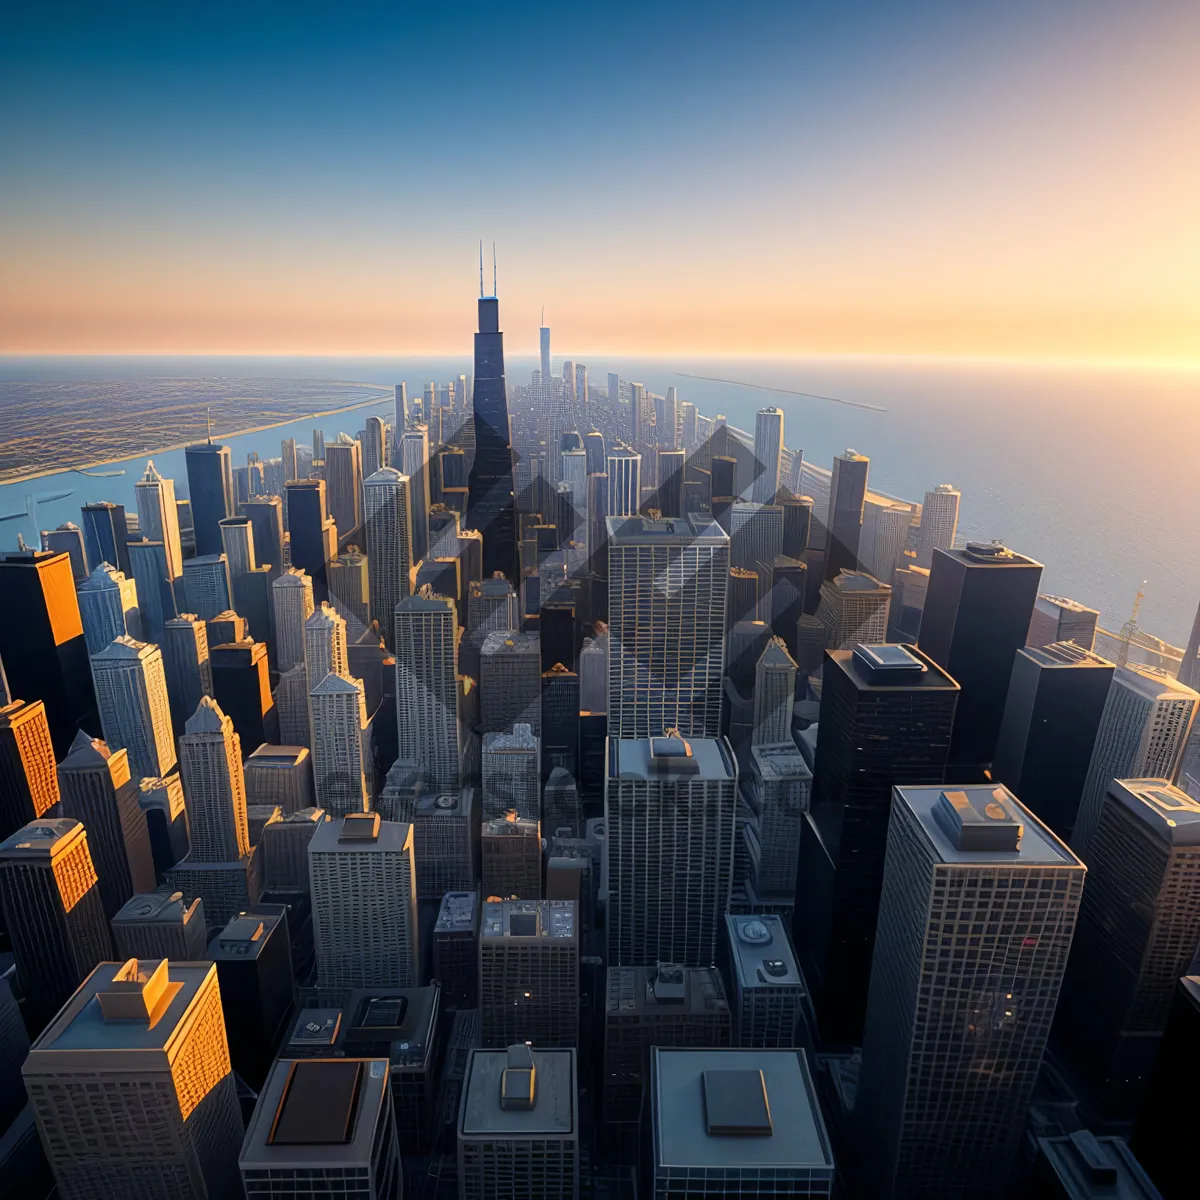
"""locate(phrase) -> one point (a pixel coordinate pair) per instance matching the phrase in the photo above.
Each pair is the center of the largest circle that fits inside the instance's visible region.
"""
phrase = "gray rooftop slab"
(761, 951)
(712, 755)
(681, 1133)
(675, 531)
(555, 1106)
(1166, 809)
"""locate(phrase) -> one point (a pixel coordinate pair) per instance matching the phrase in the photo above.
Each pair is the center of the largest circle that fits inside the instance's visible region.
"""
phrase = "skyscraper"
(414, 466)
(133, 1088)
(135, 712)
(325, 648)
(976, 618)
(939, 519)
(53, 913)
(340, 750)
(105, 533)
(1129, 953)
(374, 447)
(886, 713)
(427, 687)
(160, 595)
(210, 487)
(847, 495)
(292, 597)
(510, 681)
(108, 607)
(1143, 731)
(529, 973)
(768, 447)
(68, 539)
(766, 990)
(207, 585)
(511, 773)
(1189, 668)
(511, 857)
(350, 590)
(187, 665)
(42, 643)
(1055, 701)
(544, 346)
(28, 783)
(778, 788)
(388, 519)
(343, 483)
(1058, 619)
(491, 504)
(266, 518)
(954, 1040)
(774, 694)
(364, 904)
(157, 925)
(400, 423)
(854, 609)
(158, 517)
(667, 585)
(624, 494)
(314, 534)
(97, 790)
(669, 820)
(242, 687)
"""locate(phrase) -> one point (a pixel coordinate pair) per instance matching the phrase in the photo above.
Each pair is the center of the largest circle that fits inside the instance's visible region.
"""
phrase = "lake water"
(1094, 472)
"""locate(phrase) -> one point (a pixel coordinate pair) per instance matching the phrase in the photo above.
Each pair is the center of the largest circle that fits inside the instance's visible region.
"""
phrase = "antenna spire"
(208, 422)
(481, 268)
(543, 316)
(493, 268)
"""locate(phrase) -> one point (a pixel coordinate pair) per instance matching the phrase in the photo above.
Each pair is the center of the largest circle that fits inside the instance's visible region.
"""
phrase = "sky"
(1005, 178)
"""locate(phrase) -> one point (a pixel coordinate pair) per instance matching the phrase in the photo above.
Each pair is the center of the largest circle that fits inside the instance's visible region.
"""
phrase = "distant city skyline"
(1014, 180)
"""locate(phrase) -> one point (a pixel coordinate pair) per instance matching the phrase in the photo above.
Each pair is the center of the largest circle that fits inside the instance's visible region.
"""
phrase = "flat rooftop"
(282, 757)
(1089, 1167)
(780, 760)
(329, 838)
(555, 1109)
(665, 990)
(404, 1017)
(635, 758)
(1036, 846)
(459, 912)
(542, 919)
(316, 1028)
(44, 839)
(762, 951)
(1170, 812)
(900, 669)
(316, 1111)
(155, 908)
(675, 531)
(798, 1138)
(1064, 654)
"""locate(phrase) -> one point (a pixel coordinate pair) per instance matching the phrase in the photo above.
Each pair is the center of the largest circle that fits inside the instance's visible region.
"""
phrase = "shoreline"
(108, 462)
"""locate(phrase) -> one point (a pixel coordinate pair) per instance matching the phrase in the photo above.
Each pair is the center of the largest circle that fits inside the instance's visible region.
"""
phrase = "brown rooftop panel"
(318, 1103)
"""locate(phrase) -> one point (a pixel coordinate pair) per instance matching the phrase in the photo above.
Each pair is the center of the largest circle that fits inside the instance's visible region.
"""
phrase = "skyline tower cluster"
(554, 789)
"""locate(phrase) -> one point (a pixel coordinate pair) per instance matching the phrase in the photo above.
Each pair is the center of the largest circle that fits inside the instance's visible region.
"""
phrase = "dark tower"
(210, 487)
(491, 508)
(313, 533)
(105, 534)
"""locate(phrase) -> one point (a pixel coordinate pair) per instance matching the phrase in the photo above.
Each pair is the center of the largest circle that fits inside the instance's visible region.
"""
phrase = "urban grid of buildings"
(554, 791)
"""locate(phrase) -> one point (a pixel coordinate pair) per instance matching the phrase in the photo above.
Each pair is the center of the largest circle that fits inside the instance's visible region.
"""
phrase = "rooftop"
(666, 989)
(521, 738)
(316, 1027)
(553, 1112)
(130, 1006)
(676, 531)
(245, 935)
(157, 908)
(543, 919)
(1153, 682)
(981, 824)
(780, 760)
(402, 1019)
(762, 951)
(459, 911)
(1045, 600)
(282, 757)
(208, 718)
(509, 641)
(986, 554)
(124, 647)
(362, 833)
(1170, 812)
(652, 758)
(709, 1110)
(856, 581)
(1089, 1167)
(46, 839)
(1064, 654)
(895, 669)
(86, 754)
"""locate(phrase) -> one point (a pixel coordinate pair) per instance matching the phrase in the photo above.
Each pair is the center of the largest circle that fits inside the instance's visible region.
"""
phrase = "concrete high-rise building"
(210, 488)
(388, 518)
(768, 446)
(340, 749)
(68, 539)
(135, 712)
(669, 821)
(291, 707)
(544, 346)
(428, 727)
(778, 787)
(28, 783)
(756, 538)
(491, 506)
(414, 466)
(323, 1127)
(218, 867)
(959, 859)
(529, 973)
(343, 482)
(237, 544)
(510, 681)
(766, 990)
(593, 674)
(1057, 619)
(158, 925)
(735, 1122)
(53, 912)
(313, 535)
(226, 628)
(242, 687)
(624, 493)
(939, 520)
(1055, 701)
(158, 516)
(132, 1085)
(279, 775)
(492, 605)
(975, 619)
(1189, 667)
(160, 595)
(640, 415)
(854, 609)
(667, 584)
(364, 904)
(108, 607)
(560, 719)
(105, 533)
(325, 649)
(512, 773)
(374, 447)
(187, 666)
(511, 857)
(1142, 734)
(292, 598)
(1129, 954)
(847, 495)
(207, 585)
(97, 790)
(446, 829)
(42, 644)
(283, 848)
(774, 694)
(889, 528)
(350, 589)
(518, 1125)
(166, 819)
(669, 495)
(266, 519)
(886, 713)
(400, 412)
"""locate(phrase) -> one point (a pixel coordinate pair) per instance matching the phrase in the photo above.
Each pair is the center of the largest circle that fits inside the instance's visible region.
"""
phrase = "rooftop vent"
(735, 1104)
(518, 1080)
(981, 819)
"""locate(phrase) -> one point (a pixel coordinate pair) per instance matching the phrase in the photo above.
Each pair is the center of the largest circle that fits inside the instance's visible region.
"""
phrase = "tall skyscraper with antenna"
(491, 507)
(544, 334)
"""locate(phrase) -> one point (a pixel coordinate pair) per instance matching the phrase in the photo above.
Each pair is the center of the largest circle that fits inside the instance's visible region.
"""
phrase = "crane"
(1130, 628)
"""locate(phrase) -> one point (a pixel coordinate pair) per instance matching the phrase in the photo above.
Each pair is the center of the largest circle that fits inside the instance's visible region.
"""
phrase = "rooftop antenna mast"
(481, 268)
(493, 269)
(208, 422)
